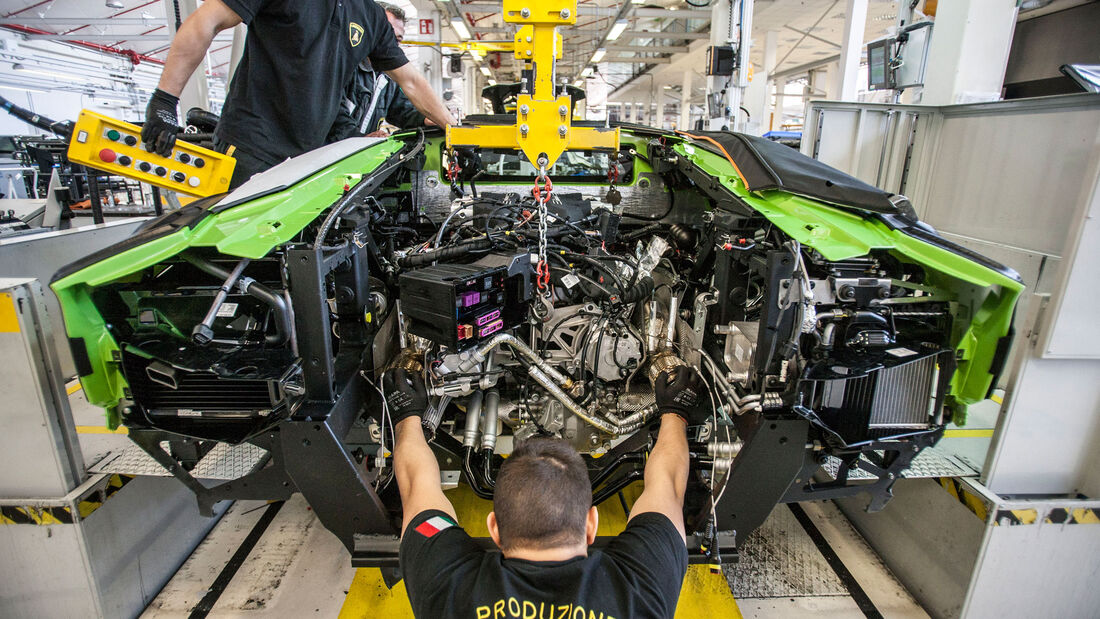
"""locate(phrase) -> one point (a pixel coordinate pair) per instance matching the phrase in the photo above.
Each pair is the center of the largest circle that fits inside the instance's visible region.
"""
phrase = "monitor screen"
(878, 65)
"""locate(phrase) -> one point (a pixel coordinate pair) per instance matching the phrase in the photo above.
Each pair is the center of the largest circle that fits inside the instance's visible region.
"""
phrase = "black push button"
(124, 160)
(184, 157)
(199, 162)
(160, 171)
(130, 140)
(144, 166)
(179, 177)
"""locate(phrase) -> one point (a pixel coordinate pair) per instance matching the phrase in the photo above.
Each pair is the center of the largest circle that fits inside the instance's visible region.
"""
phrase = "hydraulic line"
(473, 419)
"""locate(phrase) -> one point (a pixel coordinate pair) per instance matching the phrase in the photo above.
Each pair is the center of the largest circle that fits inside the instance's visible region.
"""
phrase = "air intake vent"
(197, 393)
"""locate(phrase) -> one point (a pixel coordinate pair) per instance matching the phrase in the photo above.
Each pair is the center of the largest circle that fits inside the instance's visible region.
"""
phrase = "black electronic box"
(459, 305)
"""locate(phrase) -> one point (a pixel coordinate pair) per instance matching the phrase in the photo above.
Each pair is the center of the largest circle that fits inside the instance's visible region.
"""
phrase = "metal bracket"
(543, 126)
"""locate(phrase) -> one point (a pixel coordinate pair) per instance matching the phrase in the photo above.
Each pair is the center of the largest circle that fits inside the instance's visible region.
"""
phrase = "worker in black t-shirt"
(543, 521)
(286, 91)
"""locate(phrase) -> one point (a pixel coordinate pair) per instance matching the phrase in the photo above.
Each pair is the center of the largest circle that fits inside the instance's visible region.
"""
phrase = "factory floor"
(277, 560)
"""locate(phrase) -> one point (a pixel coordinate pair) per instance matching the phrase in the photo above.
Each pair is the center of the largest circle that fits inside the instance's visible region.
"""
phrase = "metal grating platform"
(223, 462)
(779, 560)
(929, 463)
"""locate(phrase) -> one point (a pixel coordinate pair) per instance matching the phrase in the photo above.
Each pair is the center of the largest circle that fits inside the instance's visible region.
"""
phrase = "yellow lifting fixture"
(543, 128)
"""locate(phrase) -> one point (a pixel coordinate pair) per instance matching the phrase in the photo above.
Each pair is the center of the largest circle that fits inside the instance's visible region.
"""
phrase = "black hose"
(254, 289)
(473, 475)
(445, 253)
(364, 187)
(63, 129)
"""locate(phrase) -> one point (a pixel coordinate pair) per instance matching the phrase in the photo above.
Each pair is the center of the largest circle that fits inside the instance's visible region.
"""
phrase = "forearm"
(417, 471)
(191, 42)
(668, 461)
(420, 93)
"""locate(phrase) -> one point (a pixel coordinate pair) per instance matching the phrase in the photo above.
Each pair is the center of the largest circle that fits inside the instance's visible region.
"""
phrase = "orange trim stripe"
(721, 148)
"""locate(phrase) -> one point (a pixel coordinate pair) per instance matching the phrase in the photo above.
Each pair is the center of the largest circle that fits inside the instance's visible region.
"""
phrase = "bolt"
(563, 110)
(525, 12)
(542, 161)
(523, 109)
(523, 129)
(528, 39)
(562, 130)
(528, 52)
(564, 13)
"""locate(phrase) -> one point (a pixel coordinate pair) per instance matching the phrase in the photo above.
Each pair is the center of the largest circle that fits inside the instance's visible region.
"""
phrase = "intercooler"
(889, 400)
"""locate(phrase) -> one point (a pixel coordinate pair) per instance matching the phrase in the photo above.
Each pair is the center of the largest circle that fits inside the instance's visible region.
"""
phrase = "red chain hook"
(613, 173)
(543, 271)
(547, 187)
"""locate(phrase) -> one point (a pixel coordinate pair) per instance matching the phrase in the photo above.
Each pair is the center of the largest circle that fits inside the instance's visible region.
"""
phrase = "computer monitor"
(879, 74)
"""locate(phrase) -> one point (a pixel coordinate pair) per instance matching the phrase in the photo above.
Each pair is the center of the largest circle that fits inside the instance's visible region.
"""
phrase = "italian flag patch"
(434, 525)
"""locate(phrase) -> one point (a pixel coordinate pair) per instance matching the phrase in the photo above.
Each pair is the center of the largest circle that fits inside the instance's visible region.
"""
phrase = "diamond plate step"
(929, 463)
(224, 461)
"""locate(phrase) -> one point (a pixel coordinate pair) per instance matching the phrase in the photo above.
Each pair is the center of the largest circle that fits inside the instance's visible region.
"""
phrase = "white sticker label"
(227, 310)
(569, 280)
(82, 137)
(901, 352)
(187, 412)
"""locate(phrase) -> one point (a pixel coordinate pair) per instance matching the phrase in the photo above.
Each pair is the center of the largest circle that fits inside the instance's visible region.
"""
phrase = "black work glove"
(406, 395)
(680, 391)
(161, 123)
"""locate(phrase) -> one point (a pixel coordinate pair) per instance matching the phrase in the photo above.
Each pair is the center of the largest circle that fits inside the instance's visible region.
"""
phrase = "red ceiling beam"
(27, 8)
(129, 54)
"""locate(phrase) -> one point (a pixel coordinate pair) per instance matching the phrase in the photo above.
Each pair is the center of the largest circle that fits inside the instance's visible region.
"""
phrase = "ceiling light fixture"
(459, 26)
(587, 72)
(23, 69)
(115, 4)
(598, 56)
(26, 88)
(486, 72)
(617, 29)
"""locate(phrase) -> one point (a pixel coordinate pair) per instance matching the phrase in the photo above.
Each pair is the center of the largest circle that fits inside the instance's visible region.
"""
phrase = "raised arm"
(188, 49)
(420, 93)
(678, 394)
(414, 463)
(191, 42)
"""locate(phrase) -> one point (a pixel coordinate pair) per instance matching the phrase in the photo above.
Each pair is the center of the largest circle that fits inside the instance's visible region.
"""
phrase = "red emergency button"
(107, 155)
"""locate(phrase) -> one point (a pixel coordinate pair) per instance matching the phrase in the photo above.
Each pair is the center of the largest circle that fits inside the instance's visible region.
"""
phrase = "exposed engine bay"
(544, 312)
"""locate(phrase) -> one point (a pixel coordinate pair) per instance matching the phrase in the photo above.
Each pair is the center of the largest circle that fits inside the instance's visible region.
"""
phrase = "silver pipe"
(651, 328)
(479, 355)
(673, 307)
(553, 389)
(473, 419)
(203, 332)
(489, 425)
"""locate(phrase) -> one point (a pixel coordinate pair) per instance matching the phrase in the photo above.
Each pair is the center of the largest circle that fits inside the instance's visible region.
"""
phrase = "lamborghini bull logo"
(355, 34)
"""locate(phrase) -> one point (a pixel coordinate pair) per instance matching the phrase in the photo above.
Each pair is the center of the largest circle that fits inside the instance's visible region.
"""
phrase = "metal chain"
(542, 196)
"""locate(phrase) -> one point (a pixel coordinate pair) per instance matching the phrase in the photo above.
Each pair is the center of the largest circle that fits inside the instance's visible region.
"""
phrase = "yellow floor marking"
(73, 388)
(9, 319)
(704, 594)
(100, 430)
(967, 433)
(996, 398)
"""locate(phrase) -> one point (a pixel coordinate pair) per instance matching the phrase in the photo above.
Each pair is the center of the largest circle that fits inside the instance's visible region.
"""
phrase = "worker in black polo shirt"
(543, 522)
(286, 92)
(371, 97)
